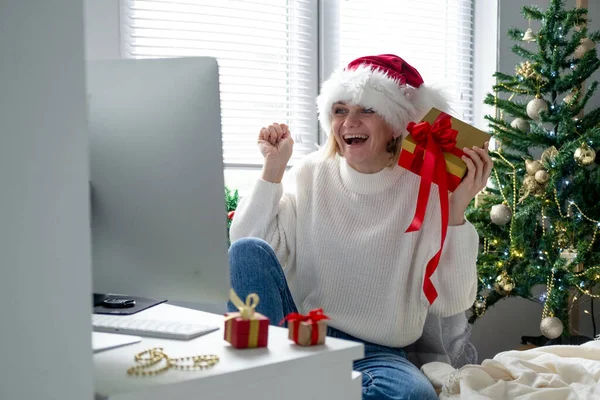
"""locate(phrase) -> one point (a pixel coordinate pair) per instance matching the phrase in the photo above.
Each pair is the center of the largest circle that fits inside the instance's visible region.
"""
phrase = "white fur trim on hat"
(397, 103)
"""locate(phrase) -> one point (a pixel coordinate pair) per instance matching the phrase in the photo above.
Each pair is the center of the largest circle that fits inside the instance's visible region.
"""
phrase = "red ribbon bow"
(313, 317)
(431, 142)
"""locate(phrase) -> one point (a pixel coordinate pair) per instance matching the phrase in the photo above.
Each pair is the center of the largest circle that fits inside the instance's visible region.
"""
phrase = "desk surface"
(244, 368)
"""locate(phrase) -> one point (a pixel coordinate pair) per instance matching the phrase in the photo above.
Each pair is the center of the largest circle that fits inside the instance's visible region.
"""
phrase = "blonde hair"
(331, 149)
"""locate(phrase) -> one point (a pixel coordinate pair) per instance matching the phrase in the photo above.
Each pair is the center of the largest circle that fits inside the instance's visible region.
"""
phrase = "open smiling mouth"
(355, 139)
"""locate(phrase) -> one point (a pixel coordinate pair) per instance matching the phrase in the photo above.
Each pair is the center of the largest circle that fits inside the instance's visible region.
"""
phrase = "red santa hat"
(385, 83)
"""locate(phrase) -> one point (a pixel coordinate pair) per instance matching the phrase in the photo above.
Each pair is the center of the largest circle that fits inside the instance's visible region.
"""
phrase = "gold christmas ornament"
(526, 70)
(520, 124)
(480, 306)
(535, 107)
(584, 155)
(532, 166)
(551, 327)
(549, 155)
(585, 45)
(504, 284)
(531, 186)
(500, 214)
(529, 183)
(529, 36)
(542, 176)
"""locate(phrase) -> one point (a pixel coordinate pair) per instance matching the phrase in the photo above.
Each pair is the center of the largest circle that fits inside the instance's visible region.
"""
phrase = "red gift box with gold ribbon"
(247, 328)
(307, 330)
(433, 150)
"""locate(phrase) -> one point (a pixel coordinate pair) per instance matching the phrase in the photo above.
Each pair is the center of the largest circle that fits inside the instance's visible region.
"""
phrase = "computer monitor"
(158, 216)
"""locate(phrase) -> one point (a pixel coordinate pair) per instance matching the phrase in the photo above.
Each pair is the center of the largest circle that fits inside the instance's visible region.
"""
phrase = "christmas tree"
(539, 218)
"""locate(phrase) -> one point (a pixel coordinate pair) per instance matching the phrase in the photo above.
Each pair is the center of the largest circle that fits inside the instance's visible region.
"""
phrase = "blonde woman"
(333, 236)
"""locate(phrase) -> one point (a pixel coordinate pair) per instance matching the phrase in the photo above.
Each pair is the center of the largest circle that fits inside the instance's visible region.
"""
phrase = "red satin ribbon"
(431, 142)
(313, 317)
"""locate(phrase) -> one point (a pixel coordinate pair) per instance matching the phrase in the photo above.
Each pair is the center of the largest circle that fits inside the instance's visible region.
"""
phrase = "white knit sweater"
(340, 237)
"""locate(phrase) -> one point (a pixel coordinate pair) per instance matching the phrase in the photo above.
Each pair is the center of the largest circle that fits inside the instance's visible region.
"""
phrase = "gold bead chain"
(572, 203)
(513, 90)
(543, 223)
(546, 312)
(148, 362)
(514, 203)
(588, 293)
(596, 278)
(596, 268)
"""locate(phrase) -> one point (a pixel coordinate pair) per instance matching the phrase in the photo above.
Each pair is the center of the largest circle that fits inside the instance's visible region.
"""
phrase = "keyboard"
(149, 327)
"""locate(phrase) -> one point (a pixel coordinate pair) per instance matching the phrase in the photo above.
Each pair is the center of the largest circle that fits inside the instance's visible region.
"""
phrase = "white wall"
(102, 41)
(503, 325)
(44, 218)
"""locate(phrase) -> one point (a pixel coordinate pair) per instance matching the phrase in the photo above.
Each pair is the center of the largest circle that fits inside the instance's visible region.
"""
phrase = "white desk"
(283, 370)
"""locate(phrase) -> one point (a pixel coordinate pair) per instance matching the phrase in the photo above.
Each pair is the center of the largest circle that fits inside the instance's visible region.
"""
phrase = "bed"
(548, 373)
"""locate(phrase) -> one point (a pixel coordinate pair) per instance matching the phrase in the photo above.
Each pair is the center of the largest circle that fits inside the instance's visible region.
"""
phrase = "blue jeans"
(386, 372)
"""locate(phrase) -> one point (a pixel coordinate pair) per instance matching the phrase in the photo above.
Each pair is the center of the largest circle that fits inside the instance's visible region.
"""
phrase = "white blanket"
(544, 373)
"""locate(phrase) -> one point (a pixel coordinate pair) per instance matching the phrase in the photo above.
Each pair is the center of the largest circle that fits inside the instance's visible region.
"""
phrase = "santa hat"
(385, 83)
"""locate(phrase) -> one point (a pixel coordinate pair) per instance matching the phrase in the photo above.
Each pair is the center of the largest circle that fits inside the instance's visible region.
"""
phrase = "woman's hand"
(479, 168)
(276, 145)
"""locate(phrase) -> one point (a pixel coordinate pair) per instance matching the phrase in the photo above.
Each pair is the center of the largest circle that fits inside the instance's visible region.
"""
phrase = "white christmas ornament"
(529, 36)
(551, 327)
(586, 45)
(535, 107)
(500, 214)
(520, 124)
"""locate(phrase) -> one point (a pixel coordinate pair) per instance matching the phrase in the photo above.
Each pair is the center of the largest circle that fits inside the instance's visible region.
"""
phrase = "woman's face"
(362, 136)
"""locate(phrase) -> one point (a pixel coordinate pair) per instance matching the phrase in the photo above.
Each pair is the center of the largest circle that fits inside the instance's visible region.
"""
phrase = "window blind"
(267, 55)
(435, 36)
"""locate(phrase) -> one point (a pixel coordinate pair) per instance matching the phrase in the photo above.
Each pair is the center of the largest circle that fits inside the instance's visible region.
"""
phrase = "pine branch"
(532, 12)
(516, 34)
(595, 36)
(504, 77)
(512, 108)
(523, 52)
(590, 120)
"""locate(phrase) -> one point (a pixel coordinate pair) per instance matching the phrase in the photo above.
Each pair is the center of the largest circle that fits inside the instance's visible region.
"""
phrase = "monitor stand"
(98, 298)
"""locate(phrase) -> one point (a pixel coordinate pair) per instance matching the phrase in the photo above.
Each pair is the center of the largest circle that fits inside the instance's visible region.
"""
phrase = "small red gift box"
(246, 329)
(307, 330)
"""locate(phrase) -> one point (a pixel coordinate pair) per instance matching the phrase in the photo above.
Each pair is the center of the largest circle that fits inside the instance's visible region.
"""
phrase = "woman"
(334, 236)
